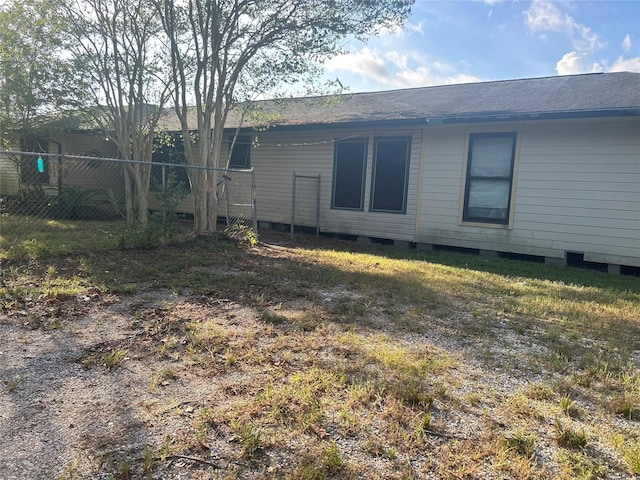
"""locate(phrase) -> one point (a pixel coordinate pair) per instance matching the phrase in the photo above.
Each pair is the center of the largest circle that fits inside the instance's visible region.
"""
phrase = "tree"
(217, 46)
(36, 80)
(118, 44)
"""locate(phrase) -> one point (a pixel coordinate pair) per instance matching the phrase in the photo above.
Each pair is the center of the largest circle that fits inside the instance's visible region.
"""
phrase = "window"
(390, 174)
(487, 195)
(241, 153)
(169, 151)
(349, 165)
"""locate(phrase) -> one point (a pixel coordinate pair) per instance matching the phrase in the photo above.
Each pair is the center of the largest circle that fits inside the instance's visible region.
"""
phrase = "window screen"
(241, 153)
(390, 174)
(489, 177)
(350, 160)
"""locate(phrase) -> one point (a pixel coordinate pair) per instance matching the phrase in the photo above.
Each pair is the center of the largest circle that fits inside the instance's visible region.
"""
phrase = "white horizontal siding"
(551, 182)
(279, 154)
(99, 176)
(9, 177)
(577, 189)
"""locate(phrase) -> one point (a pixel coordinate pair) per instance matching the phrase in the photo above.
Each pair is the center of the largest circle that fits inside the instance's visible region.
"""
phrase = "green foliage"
(631, 454)
(248, 436)
(33, 88)
(325, 462)
(251, 56)
(13, 384)
(74, 203)
(148, 461)
(521, 443)
(244, 235)
(170, 196)
(39, 238)
(569, 437)
(141, 238)
(162, 226)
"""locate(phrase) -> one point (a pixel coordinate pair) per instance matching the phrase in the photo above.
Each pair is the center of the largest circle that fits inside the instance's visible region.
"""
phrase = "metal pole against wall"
(293, 202)
(253, 201)
(318, 209)
(164, 192)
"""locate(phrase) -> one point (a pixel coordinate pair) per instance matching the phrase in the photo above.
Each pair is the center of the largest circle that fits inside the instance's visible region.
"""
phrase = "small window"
(390, 174)
(240, 152)
(487, 197)
(349, 165)
(169, 150)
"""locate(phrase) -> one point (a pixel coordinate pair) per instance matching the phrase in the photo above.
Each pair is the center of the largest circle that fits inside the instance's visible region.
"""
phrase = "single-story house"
(547, 167)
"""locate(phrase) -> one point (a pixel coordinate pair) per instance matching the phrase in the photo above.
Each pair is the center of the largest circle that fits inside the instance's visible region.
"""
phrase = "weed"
(248, 436)
(69, 472)
(521, 443)
(625, 405)
(268, 315)
(568, 407)
(333, 459)
(124, 469)
(569, 437)
(350, 422)
(244, 235)
(14, 383)
(114, 357)
(148, 461)
(162, 378)
(168, 344)
(424, 425)
(631, 455)
(51, 272)
(230, 357)
(577, 464)
(203, 418)
(322, 463)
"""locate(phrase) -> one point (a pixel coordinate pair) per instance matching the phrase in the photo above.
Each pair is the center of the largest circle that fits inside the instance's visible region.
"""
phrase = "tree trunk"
(128, 196)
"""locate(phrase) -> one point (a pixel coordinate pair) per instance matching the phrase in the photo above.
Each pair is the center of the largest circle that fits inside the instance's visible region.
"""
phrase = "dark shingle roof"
(576, 95)
(547, 97)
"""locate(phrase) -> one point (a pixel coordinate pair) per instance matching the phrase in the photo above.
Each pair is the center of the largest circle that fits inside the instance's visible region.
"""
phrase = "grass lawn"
(323, 359)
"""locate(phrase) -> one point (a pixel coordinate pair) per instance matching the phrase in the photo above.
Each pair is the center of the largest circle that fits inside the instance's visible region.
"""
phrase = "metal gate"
(305, 202)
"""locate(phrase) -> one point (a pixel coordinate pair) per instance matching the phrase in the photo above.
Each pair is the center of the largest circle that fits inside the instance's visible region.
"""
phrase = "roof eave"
(461, 119)
(528, 116)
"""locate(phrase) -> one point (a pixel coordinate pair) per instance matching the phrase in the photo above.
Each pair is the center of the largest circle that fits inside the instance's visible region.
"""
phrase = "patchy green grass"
(337, 360)
(37, 238)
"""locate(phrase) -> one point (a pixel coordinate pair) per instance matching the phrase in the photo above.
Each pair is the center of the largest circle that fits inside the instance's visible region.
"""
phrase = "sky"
(461, 41)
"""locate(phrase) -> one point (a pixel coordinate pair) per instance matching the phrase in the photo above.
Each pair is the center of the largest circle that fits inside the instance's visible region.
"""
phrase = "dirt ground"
(98, 386)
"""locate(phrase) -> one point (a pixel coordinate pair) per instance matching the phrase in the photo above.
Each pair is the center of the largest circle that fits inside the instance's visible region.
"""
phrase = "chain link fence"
(40, 186)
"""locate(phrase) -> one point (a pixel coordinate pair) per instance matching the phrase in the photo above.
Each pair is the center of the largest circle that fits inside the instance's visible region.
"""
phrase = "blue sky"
(459, 41)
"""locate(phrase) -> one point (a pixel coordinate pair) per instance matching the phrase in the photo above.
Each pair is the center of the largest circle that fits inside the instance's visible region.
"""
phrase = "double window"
(487, 196)
(388, 179)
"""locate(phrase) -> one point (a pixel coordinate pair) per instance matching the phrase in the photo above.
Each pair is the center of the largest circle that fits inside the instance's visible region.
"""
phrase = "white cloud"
(416, 27)
(366, 62)
(395, 70)
(544, 16)
(574, 63)
(626, 43)
(626, 65)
